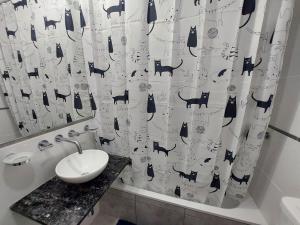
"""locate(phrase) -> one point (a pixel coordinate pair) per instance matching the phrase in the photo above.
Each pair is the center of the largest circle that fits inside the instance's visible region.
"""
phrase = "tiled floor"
(143, 211)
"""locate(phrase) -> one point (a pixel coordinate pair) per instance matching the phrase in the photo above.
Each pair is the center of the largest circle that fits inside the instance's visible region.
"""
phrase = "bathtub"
(245, 212)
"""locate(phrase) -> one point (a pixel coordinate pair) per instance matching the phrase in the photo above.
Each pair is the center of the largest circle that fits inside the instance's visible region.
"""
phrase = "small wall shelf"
(17, 159)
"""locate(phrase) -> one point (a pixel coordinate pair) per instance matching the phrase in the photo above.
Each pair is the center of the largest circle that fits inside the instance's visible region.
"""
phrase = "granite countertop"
(60, 203)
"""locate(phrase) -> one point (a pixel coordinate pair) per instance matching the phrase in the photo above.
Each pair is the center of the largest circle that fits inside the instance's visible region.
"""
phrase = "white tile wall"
(277, 172)
(286, 113)
(276, 175)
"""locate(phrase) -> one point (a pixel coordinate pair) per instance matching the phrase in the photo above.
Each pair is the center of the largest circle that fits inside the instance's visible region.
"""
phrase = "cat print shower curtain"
(42, 64)
(185, 88)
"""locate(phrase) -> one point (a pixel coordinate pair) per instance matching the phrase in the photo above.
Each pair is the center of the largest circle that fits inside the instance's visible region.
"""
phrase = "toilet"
(290, 211)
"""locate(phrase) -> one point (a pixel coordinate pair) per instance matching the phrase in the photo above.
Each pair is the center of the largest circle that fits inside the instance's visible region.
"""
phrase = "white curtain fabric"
(183, 88)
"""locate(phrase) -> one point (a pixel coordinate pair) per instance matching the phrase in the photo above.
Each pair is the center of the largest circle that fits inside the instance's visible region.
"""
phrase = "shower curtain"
(185, 88)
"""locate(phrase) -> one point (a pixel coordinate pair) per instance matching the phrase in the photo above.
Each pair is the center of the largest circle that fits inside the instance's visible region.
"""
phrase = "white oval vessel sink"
(79, 168)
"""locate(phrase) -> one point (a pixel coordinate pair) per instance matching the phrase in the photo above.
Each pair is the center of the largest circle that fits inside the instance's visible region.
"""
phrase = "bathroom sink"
(79, 168)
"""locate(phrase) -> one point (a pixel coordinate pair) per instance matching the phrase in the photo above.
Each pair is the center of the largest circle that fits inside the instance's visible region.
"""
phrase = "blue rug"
(124, 222)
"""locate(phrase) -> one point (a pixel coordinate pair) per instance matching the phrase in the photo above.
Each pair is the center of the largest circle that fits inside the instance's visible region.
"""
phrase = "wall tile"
(270, 206)
(150, 212)
(286, 112)
(285, 175)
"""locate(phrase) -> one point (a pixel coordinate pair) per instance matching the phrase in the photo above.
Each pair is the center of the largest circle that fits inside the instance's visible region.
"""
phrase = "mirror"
(43, 72)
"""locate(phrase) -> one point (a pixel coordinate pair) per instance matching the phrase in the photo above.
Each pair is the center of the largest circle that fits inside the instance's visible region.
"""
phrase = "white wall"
(277, 172)
(16, 182)
(9, 130)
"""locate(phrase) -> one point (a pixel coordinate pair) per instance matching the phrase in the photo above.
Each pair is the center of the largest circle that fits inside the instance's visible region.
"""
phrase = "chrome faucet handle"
(73, 133)
(88, 129)
(59, 138)
(44, 144)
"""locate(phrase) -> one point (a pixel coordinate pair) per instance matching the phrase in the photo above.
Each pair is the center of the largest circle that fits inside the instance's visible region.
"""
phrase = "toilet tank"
(290, 211)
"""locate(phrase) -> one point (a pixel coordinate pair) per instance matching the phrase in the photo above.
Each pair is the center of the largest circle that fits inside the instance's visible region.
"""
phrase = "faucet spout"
(60, 138)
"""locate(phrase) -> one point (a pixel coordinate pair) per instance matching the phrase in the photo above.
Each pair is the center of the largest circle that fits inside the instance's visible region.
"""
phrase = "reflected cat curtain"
(184, 88)
(42, 64)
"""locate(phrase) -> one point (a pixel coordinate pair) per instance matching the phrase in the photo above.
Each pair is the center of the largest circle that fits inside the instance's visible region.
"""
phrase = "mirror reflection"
(43, 76)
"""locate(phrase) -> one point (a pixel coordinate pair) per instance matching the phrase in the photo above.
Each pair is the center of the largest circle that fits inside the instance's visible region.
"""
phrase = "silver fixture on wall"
(73, 133)
(88, 129)
(44, 144)
(60, 138)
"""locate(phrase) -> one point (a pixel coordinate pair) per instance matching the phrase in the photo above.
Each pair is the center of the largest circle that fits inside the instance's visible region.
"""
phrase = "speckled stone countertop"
(60, 203)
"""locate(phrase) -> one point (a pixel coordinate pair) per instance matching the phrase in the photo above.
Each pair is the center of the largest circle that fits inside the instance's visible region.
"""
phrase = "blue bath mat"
(124, 222)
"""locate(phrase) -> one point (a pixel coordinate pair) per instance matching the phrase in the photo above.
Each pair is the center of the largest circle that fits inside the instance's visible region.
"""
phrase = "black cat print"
(192, 40)
(229, 157)
(151, 108)
(159, 68)
(115, 9)
(230, 110)
(192, 176)
(19, 4)
(82, 21)
(203, 100)
(241, 180)
(11, 32)
(77, 103)
(34, 73)
(150, 172)
(61, 96)
(97, 71)
(33, 35)
(123, 98)
(151, 15)
(248, 9)
(110, 48)
(5, 75)
(184, 132)
(248, 66)
(263, 104)
(69, 23)
(50, 23)
(158, 148)
(59, 53)
(215, 184)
